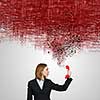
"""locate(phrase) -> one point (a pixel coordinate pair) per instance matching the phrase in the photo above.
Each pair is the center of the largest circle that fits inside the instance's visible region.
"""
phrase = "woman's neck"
(42, 78)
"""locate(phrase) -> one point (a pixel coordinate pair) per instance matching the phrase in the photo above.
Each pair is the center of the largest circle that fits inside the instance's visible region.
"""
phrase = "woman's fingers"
(69, 73)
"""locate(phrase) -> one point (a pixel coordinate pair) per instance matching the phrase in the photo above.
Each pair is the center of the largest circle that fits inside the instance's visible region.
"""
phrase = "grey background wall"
(18, 63)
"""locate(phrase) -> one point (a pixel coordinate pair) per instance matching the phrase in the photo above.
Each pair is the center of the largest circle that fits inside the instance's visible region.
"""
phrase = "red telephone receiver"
(68, 68)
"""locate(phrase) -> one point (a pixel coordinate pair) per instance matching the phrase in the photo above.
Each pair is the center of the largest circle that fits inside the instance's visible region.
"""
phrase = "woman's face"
(45, 72)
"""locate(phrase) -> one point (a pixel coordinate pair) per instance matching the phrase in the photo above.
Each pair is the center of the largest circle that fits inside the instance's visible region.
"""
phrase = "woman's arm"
(63, 87)
(29, 92)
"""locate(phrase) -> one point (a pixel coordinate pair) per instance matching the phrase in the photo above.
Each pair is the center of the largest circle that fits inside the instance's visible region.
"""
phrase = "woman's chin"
(47, 76)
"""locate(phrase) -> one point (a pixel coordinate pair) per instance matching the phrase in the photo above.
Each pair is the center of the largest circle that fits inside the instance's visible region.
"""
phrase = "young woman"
(41, 87)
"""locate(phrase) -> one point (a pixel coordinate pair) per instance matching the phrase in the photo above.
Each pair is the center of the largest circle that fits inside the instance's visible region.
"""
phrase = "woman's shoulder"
(31, 81)
(48, 80)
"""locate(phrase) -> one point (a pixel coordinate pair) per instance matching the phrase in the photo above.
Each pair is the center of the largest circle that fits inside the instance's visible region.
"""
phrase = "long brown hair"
(39, 69)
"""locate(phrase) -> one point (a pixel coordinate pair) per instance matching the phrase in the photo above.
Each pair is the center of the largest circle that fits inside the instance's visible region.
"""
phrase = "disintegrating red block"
(60, 26)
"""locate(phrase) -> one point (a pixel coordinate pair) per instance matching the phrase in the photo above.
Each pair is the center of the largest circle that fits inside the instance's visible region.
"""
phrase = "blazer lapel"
(44, 84)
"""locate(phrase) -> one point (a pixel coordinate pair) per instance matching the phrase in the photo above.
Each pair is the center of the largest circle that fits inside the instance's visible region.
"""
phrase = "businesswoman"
(41, 87)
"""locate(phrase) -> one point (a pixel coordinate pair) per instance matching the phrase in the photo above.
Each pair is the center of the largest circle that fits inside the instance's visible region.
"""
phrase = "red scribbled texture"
(60, 26)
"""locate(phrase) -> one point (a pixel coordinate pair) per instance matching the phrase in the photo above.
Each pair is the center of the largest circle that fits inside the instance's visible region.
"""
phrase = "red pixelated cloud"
(58, 25)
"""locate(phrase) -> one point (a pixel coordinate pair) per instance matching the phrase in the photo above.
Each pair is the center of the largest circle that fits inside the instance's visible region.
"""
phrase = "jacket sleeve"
(63, 87)
(29, 92)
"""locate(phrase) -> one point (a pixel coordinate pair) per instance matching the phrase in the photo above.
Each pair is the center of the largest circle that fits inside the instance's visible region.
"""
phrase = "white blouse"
(40, 82)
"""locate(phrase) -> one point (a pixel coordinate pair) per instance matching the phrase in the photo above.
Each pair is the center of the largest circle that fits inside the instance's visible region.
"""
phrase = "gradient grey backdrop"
(18, 63)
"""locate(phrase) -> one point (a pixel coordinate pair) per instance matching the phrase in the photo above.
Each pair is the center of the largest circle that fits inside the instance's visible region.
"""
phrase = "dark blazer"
(44, 94)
